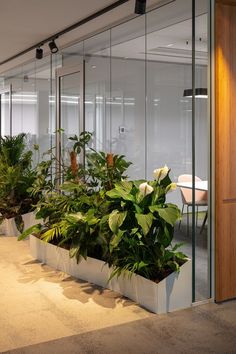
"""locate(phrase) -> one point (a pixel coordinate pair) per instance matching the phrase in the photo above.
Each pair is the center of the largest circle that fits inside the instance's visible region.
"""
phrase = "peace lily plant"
(100, 213)
(142, 226)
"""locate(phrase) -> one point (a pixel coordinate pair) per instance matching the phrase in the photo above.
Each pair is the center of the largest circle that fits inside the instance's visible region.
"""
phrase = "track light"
(140, 7)
(53, 47)
(39, 53)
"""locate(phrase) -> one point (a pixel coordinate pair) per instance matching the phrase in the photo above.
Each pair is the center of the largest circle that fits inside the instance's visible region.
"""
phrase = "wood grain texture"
(226, 2)
(225, 95)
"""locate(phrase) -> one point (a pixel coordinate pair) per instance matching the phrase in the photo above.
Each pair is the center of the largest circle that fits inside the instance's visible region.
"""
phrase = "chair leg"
(204, 222)
(187, 220)
(181, 216)
(197, 216)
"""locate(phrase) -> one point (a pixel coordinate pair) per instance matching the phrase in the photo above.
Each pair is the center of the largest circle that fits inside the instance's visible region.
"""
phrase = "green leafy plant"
(16, 178)
(12, 151)
(128, 224)
(142, 226)
(106, 169)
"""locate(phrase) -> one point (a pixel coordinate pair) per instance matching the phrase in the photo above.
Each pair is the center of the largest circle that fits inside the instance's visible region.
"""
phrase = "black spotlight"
(53, 47)
(39, 53)
(140, 7)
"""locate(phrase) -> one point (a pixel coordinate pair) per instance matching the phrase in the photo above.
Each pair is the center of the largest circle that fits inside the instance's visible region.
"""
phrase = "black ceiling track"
(67, 29)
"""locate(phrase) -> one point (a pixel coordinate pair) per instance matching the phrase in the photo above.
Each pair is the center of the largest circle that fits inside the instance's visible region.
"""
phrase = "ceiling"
(169, 37)
(24, 23)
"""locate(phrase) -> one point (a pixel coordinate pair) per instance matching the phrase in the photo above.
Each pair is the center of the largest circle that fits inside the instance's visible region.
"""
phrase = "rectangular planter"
(170, 294)
(8, 226)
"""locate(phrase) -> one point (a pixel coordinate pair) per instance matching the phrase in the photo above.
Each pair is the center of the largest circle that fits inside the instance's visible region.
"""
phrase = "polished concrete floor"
(46, 311)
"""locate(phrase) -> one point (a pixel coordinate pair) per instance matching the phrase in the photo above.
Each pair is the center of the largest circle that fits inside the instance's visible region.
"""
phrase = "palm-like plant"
(12, 150)
(16, 176)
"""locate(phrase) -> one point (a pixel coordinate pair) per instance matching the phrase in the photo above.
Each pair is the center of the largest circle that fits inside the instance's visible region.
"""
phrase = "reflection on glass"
(128, 123)
(169, 119)
(97, 89)
(69, 110)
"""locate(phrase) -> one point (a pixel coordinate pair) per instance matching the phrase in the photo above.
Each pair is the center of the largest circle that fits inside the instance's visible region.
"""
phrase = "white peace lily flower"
(161, 173)
(171, 187)
(145, 188)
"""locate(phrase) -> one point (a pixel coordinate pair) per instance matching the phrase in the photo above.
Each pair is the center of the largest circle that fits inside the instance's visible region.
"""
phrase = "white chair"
(186, 194)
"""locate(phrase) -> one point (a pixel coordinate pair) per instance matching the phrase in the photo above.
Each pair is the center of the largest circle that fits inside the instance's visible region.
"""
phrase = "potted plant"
(119, 231)
(16, 177)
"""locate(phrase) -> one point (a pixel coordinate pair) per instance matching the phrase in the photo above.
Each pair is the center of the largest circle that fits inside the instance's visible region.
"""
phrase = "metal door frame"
(61, 72)
(7, 89)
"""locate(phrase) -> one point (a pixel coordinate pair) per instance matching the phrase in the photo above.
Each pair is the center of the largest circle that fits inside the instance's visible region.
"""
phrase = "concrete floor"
(46, 311)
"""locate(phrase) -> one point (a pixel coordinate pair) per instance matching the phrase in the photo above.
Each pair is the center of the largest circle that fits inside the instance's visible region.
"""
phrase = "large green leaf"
(116, 219)
(122, 190)
(145, 221)
(116, 239)
(29, 231)
(170, 212)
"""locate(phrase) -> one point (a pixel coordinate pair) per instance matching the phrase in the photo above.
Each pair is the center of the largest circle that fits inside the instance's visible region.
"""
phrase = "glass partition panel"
(169, 112)
(69, 100)
(32, 102)
(97, 89)
(73, 55)
(139, 101)
(25, 104)
(5, 113)
(202, 237)
(128, 94)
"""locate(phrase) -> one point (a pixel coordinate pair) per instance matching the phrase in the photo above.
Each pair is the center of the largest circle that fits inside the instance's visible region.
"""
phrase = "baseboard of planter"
(172, 293)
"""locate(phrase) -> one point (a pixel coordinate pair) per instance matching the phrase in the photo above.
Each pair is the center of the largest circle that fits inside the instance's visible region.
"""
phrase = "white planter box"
(172, 293)
(8, 226)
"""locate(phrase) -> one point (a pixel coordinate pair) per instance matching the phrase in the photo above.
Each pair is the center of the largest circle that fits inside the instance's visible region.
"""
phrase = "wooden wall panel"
(226, 2)
(225, 95)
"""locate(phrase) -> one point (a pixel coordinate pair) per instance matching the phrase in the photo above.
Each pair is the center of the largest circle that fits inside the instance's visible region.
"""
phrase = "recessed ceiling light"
(93, 66)
(170, 45)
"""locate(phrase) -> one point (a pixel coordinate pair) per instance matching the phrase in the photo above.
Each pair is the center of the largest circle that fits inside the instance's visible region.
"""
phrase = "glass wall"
(145, 89)
(33, 102)
(201, 239)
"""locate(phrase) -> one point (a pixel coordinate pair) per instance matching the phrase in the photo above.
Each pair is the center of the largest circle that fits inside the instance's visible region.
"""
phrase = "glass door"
(6, 111)
(70, 112)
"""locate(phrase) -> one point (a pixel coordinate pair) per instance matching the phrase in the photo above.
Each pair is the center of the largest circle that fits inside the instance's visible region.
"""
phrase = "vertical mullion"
(10, 109)
(58, 133)
(50, 114)
(193, 152)
(146, 115)
(82, 107)
(0, 115)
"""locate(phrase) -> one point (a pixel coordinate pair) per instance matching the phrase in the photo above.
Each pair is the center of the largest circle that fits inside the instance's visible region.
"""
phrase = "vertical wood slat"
(225, 98)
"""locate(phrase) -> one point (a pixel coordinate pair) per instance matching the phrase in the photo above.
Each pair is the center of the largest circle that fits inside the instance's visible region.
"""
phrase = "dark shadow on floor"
(73, 289)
